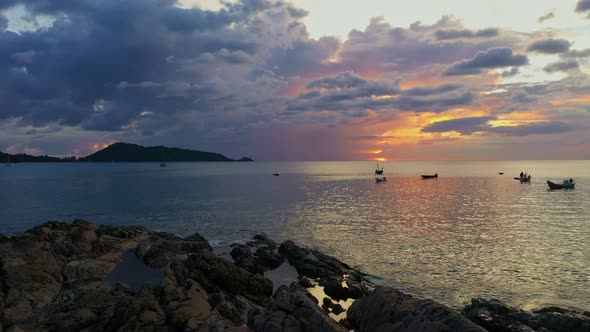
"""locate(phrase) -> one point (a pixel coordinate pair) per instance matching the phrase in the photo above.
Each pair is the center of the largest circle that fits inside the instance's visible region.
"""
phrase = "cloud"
(546, 17)
(550, 46)
(497, 57)
(464, 33)
(583, 6)
(464, 126)
(533, 129)
(470, 125)
(436, 104)
(426, 91)
(565, 65)
(577, 54)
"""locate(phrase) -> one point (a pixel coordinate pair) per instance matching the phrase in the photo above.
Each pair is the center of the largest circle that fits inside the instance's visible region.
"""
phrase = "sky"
(299, 80)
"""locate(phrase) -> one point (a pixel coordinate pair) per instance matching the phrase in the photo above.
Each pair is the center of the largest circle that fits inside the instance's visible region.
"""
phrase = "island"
(62, 276)
(128, 152)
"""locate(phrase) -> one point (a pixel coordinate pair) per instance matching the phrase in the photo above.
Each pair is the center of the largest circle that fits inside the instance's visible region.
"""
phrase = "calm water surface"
(469, 233)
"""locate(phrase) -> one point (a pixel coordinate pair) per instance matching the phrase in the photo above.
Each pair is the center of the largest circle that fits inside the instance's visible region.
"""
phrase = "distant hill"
(25, 158)
(125, 152)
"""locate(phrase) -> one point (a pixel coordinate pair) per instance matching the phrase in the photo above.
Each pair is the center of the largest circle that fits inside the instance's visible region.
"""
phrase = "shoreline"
(73, 276)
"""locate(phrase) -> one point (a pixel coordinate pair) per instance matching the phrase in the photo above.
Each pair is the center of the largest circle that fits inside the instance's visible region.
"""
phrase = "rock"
(387, 309)
(292, 310)
(268, 258)
(200, 240)
(87, 273)
(263, 240)
(305, 282)
(495, 315)
(228, 276)
(330, 306)
(191, 310)
(161, 253)
(293, 252)
(125, 232)
(139, 313)
(243, 258)
(311, 317)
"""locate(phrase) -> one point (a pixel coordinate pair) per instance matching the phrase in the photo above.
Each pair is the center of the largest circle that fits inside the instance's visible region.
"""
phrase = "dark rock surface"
(495, 315)
(388, 309)
(59, 277)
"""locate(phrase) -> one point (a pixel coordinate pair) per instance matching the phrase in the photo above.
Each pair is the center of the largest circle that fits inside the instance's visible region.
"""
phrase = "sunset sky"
(299, 80)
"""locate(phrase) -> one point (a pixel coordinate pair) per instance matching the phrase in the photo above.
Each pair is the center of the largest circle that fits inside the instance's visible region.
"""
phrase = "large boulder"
(219, 273)
(495, 315)
(388, 309)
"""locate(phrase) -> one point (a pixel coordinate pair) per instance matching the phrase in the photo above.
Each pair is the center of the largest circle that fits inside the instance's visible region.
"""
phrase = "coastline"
(73, 276)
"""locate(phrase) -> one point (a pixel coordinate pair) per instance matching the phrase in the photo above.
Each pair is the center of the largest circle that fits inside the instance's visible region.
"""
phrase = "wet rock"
(87, 273)
(197, 238)
(243, 258)
(126, 232)
(161, 253)
(268, 258)
(387, 309)
(495, 315)
(330, 306)
(305, 282)
(263, 240)
(191, 310)
(228, 276)
(293, 310)
(139, 313)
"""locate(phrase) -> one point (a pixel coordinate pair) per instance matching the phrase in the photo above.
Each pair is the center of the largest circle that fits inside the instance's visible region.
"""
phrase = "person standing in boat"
(521, 174)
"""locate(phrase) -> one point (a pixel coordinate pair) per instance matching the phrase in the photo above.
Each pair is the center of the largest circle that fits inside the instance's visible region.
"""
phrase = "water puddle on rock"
(285, 274)
(134, 273)
(318, 292)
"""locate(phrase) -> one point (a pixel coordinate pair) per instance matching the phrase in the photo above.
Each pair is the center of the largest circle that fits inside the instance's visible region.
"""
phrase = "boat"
(275, 174)
(8, 164)
(379, 171)
(501, 173)
(430, 176)
(382, 179)
(524, 179)
(567, 184)
(162, 164)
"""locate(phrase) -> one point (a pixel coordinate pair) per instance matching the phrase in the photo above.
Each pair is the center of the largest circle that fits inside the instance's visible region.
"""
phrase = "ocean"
(471, 232)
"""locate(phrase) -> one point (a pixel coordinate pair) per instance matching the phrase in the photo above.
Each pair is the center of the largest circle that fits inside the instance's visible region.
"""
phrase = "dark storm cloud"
(465, 126)
(464, 33)
(426, 91)
(3, 22)
(497, 57)
(564, 65)
(546, 17)
(550, 46)
(583, 6)
(383, 47)
(470, 125)
(61, 73)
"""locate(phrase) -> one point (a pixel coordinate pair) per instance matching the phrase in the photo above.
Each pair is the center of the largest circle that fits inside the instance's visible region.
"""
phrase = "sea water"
(471, 232)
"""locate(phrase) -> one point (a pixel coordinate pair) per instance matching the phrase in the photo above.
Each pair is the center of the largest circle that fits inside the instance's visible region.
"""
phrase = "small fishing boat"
(275, 174)
(501, 173)
(379, 171)
(526, 179)
(162, 164)
(430, 176)
(567, 184)
(382, 179)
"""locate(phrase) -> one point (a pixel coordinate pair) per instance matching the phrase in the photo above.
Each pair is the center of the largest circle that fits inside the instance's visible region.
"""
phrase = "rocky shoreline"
(80, 277)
